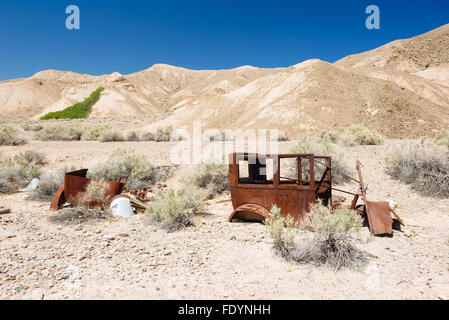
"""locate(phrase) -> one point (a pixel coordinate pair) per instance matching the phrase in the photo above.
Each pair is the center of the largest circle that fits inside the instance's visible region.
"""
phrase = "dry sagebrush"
(136, 169)
(425, 166)
(17, 171)
(10, 137)
(174, 209)
(78, 215)
(211, 176)
(359, 134)
(442, 138)
(59, 132)
(331, 242)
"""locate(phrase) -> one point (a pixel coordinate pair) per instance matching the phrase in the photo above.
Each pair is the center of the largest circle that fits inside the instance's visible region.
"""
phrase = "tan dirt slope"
(400, 89)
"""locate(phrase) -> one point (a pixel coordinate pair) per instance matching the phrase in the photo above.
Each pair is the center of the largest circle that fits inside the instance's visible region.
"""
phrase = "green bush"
(136, 169)
(331, 243)
(173, 209)
(10, 137)
(424, 166)
(78, 111)
(211, 176)
(59, 132)
(322, 146)
(442, 138)
(358, 134)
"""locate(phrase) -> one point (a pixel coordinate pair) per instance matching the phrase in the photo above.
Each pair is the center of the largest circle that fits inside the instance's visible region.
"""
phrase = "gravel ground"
(126, 259)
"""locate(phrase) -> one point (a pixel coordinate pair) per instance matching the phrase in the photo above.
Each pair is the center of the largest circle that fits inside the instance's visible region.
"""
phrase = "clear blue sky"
(129, 36)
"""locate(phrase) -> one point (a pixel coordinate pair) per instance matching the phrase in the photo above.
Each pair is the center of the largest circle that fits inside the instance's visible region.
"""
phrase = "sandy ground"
(126, 259)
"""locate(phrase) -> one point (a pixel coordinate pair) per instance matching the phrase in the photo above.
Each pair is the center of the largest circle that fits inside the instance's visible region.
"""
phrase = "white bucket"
(121, 207)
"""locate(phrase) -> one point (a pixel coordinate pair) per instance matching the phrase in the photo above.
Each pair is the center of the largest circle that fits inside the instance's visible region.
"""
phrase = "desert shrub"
(133, 136)
(111, 135)
(59, 132)
(331, 242)
(48, 186)
(32, 127)
(78, 111)
(424, 166)
(19, 170)
(173, 209)
(94, 134)
(281, 137)
(322, 146)
(147, 136)
(211, 176)
(358, 134)
(96, 191)
(10, 137)
(442, 138)
(218, 135)
(78, 215)
(282, 230)
(163, 134)
(329, 135)
(136, 169)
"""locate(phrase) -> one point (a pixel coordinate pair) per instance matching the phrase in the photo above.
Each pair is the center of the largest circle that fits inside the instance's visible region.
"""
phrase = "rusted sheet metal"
(254, 195)
(378, 213)
(75, 183)
(58, 199)
(381, 221)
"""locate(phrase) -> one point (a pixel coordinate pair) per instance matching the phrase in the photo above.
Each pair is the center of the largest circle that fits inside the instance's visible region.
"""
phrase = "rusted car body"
(291, 181)
(294, 182)
(75, 184)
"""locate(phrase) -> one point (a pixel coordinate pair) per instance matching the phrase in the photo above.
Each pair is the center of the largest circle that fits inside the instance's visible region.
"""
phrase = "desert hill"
(400, 89)
(426, 51)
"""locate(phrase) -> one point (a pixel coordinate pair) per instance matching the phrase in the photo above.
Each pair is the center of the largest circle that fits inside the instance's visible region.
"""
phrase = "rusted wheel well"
(250, 212)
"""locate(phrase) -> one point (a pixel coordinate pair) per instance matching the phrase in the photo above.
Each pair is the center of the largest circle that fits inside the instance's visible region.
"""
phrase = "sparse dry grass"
(79, 214)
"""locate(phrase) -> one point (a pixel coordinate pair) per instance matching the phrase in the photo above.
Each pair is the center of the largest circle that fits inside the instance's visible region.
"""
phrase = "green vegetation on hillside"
(78, 111)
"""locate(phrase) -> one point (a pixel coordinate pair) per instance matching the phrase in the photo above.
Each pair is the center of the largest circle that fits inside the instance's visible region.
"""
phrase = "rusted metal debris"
(4, 211)
(75, 184)
(254, 190)
(146, 194)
